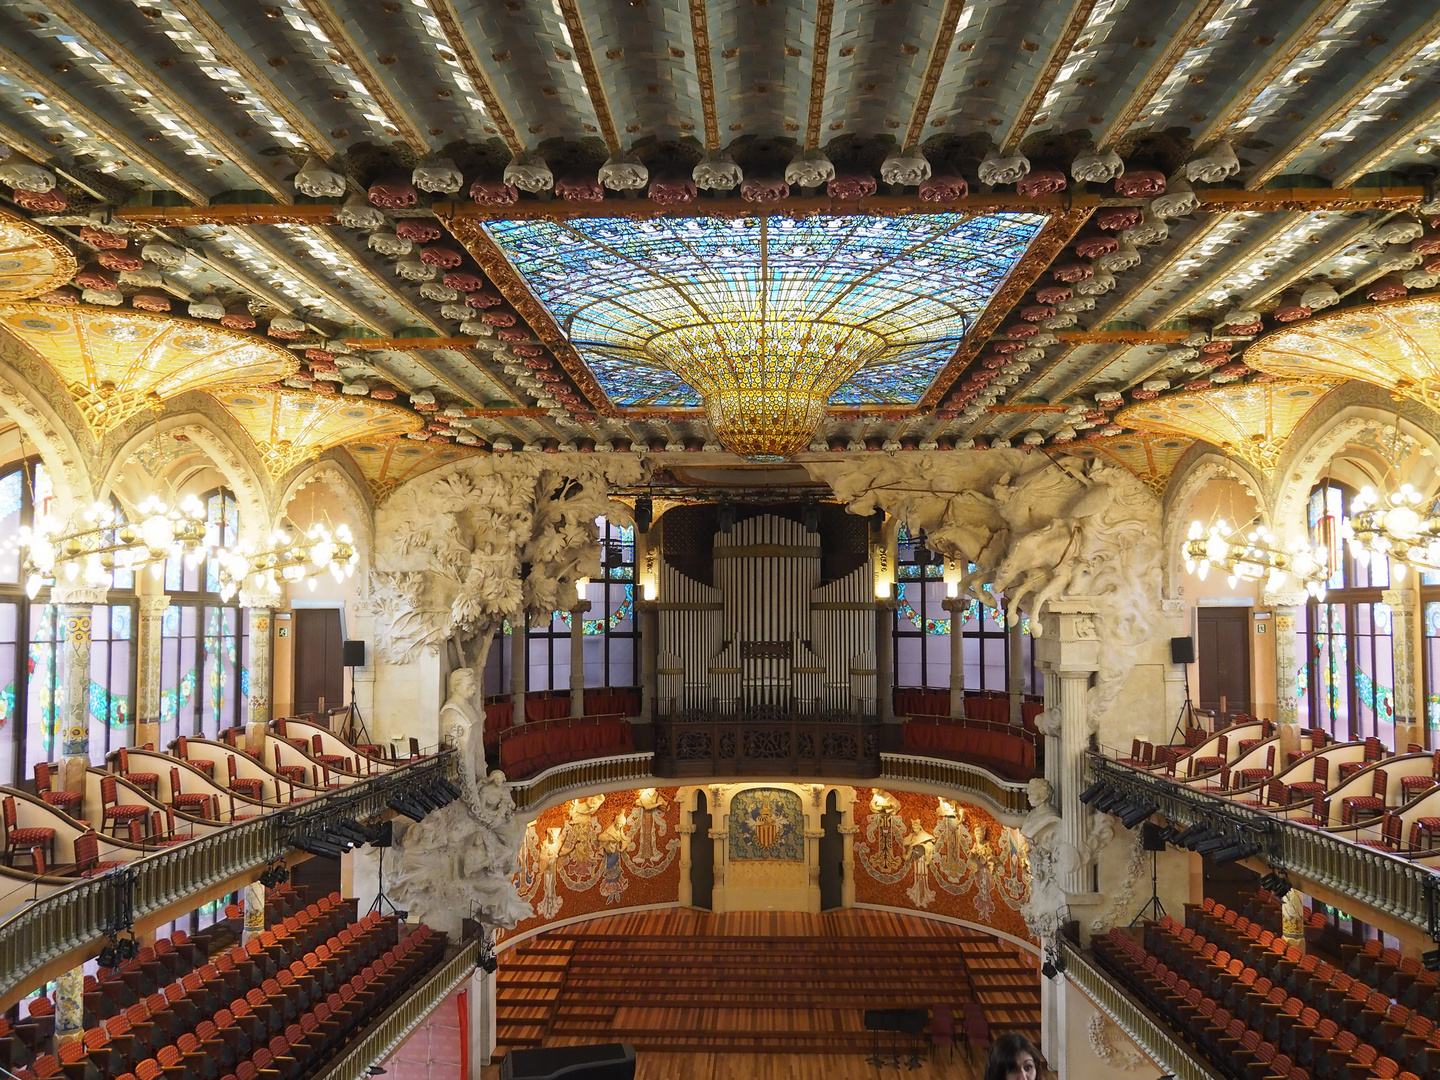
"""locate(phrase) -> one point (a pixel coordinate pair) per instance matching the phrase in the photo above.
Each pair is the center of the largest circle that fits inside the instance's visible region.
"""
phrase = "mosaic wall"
(938, 856)
(608, 851)
(767, 824)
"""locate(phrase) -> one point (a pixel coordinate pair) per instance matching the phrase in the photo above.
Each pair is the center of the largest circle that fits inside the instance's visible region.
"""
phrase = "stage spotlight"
(1138, 814)
(1187, 838)
(1168, 834)
(1269, 881)
(1241, 849)
(1281, 891)
(1088, 795)
(110, 956)
(1059, 961)
(1215, 842)
(315, 845)
(1431, 960)
(386, 835)
(1107, 802)
(127, 949)
(1048, 969)
(404, 806)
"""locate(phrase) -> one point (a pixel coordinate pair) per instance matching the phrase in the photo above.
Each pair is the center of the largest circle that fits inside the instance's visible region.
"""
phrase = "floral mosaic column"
(74, 606)
(254, 908)
(147, 676)
(1292, 919)
(1286, 607)
(1404, 610)
(69, 1006)
(577, 657)
(261, 618)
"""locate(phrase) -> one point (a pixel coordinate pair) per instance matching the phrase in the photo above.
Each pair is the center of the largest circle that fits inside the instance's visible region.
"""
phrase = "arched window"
(610, 631)
(923, 627)
(32, 636)
(1346, 685)
(204, 642)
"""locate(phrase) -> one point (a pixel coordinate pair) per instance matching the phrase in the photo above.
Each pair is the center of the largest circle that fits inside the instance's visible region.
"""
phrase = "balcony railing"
(1007, 796)
(1386, 883)
(582, 775)
(1125, 1013)
(82, 915)
(380, 1041)
(766, 741)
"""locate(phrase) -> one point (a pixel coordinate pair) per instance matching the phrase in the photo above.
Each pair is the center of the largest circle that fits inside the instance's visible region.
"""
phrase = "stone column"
(519, 665)
(1287, 608)
(686, 829)
(649, 649)
(885, 660)
(148, 634)
(577, 657)
(254, 911)
(1404, 606)
(69, 1006)
(1015, 681)
(1292, 918)
(847, 883)
(73, 604)
(956, 606)
(260, 612)
(1070, 653)
(719, 835)
(482, 1023)
(812, 868)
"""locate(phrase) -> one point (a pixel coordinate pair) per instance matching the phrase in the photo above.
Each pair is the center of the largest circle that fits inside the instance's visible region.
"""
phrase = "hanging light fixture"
(289, 558)
(1399, 526)
(1254, 555)
(108, 543)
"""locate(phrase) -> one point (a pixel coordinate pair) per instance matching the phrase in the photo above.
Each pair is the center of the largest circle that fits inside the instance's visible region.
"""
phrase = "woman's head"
(1013, 1057)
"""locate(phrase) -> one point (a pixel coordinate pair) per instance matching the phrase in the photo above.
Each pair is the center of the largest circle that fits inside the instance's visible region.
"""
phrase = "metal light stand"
(381, 901)
(1186, 719)
(1153, 910)
(355, 732)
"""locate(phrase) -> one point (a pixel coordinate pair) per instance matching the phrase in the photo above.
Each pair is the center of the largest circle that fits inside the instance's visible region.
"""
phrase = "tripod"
(1186, 719)
(381, 901)
(355, 723)
(1153, 909)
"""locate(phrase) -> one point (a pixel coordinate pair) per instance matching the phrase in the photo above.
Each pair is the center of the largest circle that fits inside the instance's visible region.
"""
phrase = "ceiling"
(182, 124)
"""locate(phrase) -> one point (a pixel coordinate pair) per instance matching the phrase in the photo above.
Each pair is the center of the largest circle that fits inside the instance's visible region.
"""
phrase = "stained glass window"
(910, 286)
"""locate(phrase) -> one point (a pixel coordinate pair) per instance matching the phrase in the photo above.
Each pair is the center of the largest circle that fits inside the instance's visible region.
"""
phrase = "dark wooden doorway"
(1223, 653)
(319, 672)
(702, 856)
(832, 857)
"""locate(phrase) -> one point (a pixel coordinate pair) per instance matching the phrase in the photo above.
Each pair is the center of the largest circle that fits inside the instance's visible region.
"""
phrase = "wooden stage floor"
(664, 1065)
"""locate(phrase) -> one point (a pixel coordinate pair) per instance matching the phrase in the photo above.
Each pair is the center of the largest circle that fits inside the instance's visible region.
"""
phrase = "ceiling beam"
(819, 67)
(1075, 22)
(704, 72)
(1276, 62)
(231, 55)
(1215, 200)
(1425, 121)
(1382, 73)
(934, 68)
(590, 72)
(343, 44)
(455, 36)
(102, 42)
(291, 266)
(62, 101)
(362, 266)
(1159, 71)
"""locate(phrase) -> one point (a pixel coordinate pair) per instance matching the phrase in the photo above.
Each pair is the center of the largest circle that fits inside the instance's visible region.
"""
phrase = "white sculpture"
(359, 214)
(905, 168)
(1004, 170)
(718, 172)
(1179, 200)
(531, 175)
(438, 176)
(809, 170)
(318, 180)
(166, 256)
(22, 176)
(621, 175)
(1097, 167)
(1218, 164)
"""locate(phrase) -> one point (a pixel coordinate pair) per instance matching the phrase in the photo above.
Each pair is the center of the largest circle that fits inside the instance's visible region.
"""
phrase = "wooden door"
(832, 857)
(318, 669)
(702, 857)
(1223, 653)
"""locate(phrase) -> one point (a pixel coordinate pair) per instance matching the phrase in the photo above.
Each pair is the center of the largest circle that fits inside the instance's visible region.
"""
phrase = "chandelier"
(1394, 526)
(289, 558)
(1253, 555)
(766, 379)
(108, 542)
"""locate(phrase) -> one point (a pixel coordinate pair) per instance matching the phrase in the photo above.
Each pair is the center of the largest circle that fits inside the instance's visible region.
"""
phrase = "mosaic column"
(261, 614)
(519, 628)
(69, 1006)
(956, 606)
(1404, 612)
(1287, 608)
(74, 606)
(254, 909)
(147, 674)
(649, 659)
(577, 657)
(1292, 918)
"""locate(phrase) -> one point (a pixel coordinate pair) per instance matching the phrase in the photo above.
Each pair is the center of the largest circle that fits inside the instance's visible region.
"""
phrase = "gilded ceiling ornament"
(117, 363)
(292, 426)
(1251, 421)
(1150, 456)
(31, 260)
(1394, 345)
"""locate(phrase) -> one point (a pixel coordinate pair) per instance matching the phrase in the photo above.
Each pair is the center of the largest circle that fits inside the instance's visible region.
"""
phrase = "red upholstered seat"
(1423, 833)
(1413, 785)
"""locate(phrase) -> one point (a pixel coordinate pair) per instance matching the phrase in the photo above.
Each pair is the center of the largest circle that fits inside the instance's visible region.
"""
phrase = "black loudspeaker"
(352, 654)
(1182, 650)
(1151, 837)
(644, 513)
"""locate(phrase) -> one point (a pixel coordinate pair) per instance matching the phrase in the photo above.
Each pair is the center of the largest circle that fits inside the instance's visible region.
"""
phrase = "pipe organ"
(768, 631)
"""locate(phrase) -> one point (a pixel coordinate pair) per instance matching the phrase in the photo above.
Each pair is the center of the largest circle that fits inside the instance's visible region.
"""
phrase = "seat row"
(1010, 753)
(524, 752)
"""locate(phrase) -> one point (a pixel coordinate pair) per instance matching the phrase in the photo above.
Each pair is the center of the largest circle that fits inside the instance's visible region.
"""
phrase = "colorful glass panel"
(910, 286)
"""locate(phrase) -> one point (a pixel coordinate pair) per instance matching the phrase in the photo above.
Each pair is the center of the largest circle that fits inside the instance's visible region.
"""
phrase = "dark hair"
(1005, 1052)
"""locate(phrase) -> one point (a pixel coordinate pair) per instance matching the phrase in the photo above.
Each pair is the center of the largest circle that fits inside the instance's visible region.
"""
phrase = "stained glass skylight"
(889, 297)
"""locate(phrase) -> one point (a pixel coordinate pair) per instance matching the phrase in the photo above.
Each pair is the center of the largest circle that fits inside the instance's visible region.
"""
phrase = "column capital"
(62, 593)
(1403, 598)
(154, 604)
(1284, 599)
(955, 603)
(580, 607)
(258, 601)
